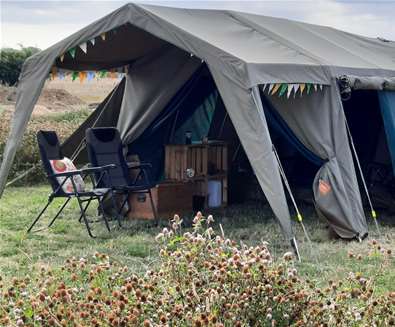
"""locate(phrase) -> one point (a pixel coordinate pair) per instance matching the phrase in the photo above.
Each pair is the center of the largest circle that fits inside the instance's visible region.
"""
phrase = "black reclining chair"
(105, 147)
(50, 150)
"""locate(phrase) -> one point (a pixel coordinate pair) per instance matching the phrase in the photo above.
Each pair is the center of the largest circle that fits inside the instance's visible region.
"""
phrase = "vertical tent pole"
(372, 211)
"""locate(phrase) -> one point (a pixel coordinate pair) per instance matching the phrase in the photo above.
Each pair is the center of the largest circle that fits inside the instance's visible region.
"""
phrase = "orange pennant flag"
(82, 76)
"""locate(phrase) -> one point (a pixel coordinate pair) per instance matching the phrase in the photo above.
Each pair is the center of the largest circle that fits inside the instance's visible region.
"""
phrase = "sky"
(43, 23)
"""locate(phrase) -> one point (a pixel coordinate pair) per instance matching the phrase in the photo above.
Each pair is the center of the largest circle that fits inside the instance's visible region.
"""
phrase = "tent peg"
(294, 245)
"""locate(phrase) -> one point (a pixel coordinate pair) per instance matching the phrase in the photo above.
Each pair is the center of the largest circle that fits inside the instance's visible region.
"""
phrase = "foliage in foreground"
(201, 280)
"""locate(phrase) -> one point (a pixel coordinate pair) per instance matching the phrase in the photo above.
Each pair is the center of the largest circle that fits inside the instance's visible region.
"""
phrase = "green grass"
(136, 247)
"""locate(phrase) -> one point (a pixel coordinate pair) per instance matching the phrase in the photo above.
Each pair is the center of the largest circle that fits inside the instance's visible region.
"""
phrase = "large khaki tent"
(245, 55)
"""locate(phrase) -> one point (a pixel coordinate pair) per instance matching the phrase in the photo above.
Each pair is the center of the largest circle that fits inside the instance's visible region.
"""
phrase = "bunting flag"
(302, 87)
(103, 36)
(275, 89)
(264, 87)
(72, 52)
(112, 74)
(90, 75)
(61, 75)
(92, 42)
(53, 73)
(289, 90)
(82, 76)
(283, 89)
(74, 76)
(102, 74)
(61, 58)
(83, 47)
(308, 85)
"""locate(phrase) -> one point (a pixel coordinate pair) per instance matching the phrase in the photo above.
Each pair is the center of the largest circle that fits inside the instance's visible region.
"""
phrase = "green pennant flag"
(308, 88)
(74, 76)
(283, 89)
(72, 52)
(103, 74)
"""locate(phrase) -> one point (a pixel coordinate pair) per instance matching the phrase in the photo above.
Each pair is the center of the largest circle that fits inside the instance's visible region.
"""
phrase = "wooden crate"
(170, 198)
(209, 161)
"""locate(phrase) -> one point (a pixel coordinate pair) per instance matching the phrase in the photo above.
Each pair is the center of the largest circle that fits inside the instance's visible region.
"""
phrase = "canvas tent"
(243, 53)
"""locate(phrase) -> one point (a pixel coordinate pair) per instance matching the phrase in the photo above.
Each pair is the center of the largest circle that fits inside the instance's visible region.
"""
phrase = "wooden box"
(170, 198)
(208, 160)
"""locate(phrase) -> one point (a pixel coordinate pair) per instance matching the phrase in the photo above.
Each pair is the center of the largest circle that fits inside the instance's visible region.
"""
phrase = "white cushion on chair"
(66, 165)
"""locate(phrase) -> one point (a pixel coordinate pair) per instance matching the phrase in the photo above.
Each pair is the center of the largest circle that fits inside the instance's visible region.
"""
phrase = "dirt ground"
(63, 95)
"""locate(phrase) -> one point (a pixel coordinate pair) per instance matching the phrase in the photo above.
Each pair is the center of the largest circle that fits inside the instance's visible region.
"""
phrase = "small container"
(188, 137)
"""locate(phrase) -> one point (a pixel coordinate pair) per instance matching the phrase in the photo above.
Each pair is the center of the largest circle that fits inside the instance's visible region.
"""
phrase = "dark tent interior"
(369, 135)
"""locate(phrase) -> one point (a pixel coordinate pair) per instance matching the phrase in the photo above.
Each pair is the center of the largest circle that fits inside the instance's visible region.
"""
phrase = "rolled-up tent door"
(317, 120)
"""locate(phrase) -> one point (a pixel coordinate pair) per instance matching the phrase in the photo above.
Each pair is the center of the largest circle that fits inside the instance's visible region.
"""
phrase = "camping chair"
(50, 150)
(105, 147)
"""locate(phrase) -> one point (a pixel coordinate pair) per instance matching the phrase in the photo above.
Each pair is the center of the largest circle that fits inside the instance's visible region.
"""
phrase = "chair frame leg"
(50, 199)
(84, 217)
(59, 212)
(100, 200)
(86, 208)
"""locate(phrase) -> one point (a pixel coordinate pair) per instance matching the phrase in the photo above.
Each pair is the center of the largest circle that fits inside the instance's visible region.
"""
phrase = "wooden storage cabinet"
(169, 199)
(208, 160)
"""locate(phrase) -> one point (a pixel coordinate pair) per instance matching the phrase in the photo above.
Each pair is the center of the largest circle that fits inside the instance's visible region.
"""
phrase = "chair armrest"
(140, 165)
(84, 171)
(91, 170)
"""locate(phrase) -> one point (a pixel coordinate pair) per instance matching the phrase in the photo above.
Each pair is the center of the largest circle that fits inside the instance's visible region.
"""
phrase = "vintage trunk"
(170, 198)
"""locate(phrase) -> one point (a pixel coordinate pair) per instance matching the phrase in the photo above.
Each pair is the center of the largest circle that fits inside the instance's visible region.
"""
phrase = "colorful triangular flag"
(283, 89)
(61, 75)
(295, 87)
(83, 47)
(289, 91)
(74, 76)
(308, 87)
(102, 74)
(72, 52)
(270, 88)
(92, 41)
(302, 87)
(275, 89)
(264, 87)
(103, 36)
(82, 76)
(321, 86)
(315, 87)
(90, 75)
(61, 57)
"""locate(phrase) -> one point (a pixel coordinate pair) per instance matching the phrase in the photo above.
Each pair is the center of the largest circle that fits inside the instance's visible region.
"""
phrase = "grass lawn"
(136, 247)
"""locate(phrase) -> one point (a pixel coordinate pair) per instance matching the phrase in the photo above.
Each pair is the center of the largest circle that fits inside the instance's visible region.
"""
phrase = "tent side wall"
(106, 114)
(318, 121)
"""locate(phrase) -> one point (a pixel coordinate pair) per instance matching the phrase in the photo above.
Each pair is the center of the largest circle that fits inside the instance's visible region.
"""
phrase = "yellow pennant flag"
(54, 71)
(275, 89)
(82, 76)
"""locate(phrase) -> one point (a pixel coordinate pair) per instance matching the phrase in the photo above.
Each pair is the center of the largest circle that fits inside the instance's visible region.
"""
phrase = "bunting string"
(82, 76)
(286, 89)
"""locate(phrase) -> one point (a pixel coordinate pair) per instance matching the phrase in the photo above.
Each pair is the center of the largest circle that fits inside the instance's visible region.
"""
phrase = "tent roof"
(268, 49)
(268, 40)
